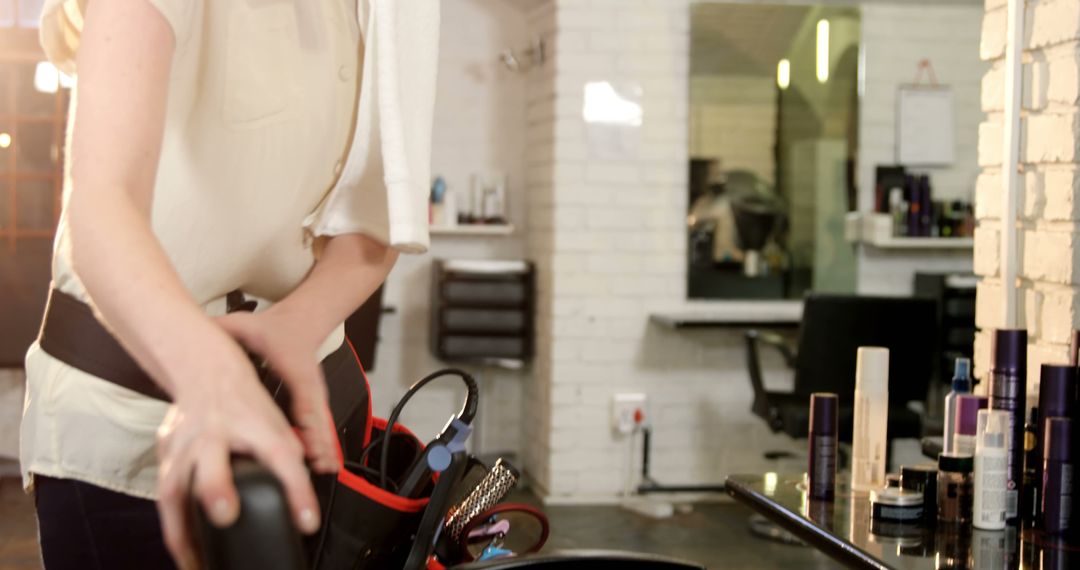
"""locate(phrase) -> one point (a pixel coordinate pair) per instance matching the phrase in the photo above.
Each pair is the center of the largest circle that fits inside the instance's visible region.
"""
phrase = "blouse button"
(343, 73)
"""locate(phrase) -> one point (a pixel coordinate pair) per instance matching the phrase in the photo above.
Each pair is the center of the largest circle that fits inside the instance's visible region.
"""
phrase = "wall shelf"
(921, 243)
(732, 314)
(876, 230)
(473, 230)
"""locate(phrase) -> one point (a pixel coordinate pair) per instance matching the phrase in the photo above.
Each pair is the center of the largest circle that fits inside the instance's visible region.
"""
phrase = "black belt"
(73, 335)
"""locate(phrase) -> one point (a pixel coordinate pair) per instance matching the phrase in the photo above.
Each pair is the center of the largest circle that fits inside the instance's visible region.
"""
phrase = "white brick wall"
(1050, 134)
(895, 37)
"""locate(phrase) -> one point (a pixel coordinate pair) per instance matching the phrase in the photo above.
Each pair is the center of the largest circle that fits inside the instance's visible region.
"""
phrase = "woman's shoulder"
(62, 22)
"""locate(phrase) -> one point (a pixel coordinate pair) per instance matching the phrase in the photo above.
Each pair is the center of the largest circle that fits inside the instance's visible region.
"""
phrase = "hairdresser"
(220, 154)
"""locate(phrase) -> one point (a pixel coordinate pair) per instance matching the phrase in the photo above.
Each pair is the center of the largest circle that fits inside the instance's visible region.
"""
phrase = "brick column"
(539, 194)
(607, 235)
(1049, 232)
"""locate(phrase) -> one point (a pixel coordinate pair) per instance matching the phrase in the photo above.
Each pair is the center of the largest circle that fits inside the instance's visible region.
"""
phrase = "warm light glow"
(605, 105)
(783, 74)
(771, 480)
(46, 77)
(5, 140)
(823, 51)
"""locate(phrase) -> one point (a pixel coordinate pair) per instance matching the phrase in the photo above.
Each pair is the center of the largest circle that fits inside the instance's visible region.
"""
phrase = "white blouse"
(287, 120)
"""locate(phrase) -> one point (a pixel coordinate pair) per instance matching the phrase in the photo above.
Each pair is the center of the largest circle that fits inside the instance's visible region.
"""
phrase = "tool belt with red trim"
(364, 526)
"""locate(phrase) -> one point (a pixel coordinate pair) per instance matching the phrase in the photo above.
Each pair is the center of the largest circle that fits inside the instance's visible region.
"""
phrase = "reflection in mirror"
(773, 138)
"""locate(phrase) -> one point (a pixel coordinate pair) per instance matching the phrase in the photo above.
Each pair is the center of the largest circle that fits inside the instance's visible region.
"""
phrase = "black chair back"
(835, 326)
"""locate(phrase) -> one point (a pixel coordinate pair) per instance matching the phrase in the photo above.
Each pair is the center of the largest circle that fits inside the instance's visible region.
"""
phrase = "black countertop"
(842, 529)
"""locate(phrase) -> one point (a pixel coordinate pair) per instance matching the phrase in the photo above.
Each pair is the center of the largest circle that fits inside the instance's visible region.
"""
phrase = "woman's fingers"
(310, 410)
(316, 427)
(282, 454)
(214, 484)
(172, 506)
(302, 375)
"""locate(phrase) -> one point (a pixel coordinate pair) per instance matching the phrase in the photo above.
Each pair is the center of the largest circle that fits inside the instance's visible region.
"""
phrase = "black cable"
(467, 413)
(369, 473)
(432, 520)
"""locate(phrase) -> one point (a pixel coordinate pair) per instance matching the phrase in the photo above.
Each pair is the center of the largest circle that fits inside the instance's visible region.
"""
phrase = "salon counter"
(732, 314)
(843, 529)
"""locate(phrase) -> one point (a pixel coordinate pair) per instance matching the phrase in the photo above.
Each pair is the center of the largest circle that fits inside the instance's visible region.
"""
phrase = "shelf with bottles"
(476, 211)
(876, 230)
(906, 215)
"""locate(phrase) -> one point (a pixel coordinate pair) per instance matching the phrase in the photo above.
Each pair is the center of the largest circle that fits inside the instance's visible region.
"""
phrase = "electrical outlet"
(628, 411)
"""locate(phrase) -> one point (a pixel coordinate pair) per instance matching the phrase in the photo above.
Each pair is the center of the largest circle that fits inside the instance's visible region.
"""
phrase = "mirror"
(773, 114)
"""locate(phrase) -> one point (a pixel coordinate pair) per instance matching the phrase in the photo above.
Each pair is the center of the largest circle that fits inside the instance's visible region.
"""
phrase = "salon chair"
(833, 328)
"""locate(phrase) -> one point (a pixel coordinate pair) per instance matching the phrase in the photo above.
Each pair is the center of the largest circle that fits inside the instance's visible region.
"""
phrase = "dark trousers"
(86, 527)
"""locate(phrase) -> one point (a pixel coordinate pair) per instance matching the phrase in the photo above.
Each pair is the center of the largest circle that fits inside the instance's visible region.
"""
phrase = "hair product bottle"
(821, 474)
(991, 458)
(961, 384)
(1008, 387)
(868, 447)
(1057, 475)
(967, 420)
(1057, 398)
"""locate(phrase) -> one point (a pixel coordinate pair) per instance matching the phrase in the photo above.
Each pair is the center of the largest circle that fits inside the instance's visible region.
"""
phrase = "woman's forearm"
(134, 287)
(116, 143)
(350, 268)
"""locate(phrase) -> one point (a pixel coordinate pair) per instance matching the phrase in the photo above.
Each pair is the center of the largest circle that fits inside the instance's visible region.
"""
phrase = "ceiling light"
(823, 51)
(783, 74)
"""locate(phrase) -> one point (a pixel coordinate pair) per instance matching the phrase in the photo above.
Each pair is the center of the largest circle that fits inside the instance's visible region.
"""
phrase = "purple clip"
(495, 529)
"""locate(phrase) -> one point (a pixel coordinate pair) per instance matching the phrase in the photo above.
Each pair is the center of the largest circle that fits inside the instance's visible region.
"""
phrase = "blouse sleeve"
(62, 23)
(383, 189)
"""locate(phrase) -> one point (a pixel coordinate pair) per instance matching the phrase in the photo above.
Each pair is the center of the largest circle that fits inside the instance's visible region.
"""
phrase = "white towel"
(384, 187)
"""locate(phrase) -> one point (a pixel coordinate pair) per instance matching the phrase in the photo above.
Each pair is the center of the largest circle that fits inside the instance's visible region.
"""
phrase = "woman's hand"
(221, 408)
(289, 347)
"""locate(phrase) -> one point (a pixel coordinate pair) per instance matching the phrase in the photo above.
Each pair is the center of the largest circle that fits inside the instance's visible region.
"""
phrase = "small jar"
(922, 478)
(954, 486)
(896, 505)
